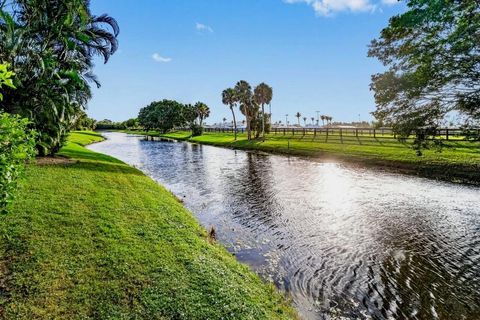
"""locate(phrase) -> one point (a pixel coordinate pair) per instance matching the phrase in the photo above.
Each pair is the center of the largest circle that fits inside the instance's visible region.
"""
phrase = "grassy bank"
(458, 160)
(95, 238)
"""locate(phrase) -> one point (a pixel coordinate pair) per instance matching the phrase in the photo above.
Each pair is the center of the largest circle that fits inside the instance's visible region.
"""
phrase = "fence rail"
(384, 133)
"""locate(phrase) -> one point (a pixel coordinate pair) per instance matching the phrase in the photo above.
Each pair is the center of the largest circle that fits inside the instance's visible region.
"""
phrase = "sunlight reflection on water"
(344, 241)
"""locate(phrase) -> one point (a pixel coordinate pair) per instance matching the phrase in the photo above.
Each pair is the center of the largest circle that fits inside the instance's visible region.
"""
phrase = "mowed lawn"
(95, 238)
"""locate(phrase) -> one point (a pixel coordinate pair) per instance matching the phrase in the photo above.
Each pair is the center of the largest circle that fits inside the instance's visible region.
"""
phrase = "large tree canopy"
(432, 52)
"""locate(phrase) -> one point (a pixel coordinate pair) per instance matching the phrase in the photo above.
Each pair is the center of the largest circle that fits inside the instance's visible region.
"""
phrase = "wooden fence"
(384, 133)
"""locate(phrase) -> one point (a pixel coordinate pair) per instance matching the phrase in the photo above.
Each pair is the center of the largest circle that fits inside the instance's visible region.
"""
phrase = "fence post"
(293, 131)
(356, 132)
(447, 133)
(374, 133)
(315, 132)
(341, 133)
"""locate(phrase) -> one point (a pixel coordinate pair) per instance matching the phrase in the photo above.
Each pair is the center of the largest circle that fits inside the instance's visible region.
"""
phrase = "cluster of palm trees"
(252, 106)
(324, 118)
(50, 46)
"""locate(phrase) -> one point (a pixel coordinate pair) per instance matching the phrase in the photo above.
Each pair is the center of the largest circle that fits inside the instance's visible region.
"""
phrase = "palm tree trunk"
(234, 122)
(263, 121)
(249, 133)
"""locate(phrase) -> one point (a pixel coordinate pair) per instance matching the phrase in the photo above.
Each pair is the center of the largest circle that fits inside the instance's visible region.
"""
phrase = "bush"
(17, 144)
(197, 130)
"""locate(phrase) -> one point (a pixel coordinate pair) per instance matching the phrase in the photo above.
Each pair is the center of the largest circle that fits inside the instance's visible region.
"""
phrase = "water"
(343, 241)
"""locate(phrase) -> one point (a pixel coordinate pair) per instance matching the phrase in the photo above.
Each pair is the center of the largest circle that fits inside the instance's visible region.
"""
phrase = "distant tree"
(323, 118)
(313, 120)
(203, 112)
(432, 52)
(262, 95)
(298, 115)
(305, 121)
(243, 91)
(229, 98)
(162, 115)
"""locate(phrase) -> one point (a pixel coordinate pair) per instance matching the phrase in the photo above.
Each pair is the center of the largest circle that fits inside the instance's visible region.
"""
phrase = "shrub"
(17, 144)
(197, 130)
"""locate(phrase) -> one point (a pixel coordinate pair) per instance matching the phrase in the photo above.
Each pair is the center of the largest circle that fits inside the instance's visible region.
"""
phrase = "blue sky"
(312, 52)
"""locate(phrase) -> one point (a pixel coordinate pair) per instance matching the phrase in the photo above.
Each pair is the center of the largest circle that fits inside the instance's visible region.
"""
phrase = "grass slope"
(98, 239)
(457, 161)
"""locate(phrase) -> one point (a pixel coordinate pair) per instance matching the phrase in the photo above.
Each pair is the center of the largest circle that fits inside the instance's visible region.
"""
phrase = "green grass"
(95, 238)
(457, 161)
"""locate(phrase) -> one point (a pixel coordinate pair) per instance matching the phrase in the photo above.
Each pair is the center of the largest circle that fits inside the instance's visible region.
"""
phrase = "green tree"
(243, 91)
(203, 112)
(162, 115)
(51, 46)
(432, 52)
(262, 95)
(229, 98)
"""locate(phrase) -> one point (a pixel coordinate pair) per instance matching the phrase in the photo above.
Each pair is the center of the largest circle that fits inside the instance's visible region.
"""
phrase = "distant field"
(457, 160)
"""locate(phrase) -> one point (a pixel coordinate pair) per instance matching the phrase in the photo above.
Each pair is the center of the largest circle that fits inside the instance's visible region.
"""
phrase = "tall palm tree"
(262, 95)
(229, 98)
(203, 112)
(298, 115)
(323, 119)
(305, 121)
(243, 91)
(313, 120)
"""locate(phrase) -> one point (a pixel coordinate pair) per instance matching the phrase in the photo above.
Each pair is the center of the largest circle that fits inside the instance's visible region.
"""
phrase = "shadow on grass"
(107, 167)
(90, 134)
(88, 155)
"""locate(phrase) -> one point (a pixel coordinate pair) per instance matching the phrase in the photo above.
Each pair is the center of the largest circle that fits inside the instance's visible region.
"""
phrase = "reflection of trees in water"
(251, 193)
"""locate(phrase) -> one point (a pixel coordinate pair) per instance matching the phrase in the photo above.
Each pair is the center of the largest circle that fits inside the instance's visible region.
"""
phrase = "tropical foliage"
(51, 46)
(432, 52)
(17, 144)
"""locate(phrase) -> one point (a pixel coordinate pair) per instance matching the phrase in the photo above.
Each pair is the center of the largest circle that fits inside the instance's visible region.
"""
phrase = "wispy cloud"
(158, 58)
(329, 7)
(203, 27)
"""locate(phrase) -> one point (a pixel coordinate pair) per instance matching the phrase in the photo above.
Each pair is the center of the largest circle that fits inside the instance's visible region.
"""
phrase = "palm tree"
(262, 95)
(51, 46)
(243, 92)
(229, 98)
(305, 121)
(313, 120)
(224, 121)
(323, 119)
(203, 112)
(298, 115)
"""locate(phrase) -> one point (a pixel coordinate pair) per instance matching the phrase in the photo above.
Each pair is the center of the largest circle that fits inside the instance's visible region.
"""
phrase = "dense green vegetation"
(92, 237)
(51, 46)
(17, 144)
(168, 114)
(432, 54)
(457, 161)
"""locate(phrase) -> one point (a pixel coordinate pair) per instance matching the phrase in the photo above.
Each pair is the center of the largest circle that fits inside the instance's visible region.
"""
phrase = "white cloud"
(203, 27)
(158, 58)
(329, 7)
